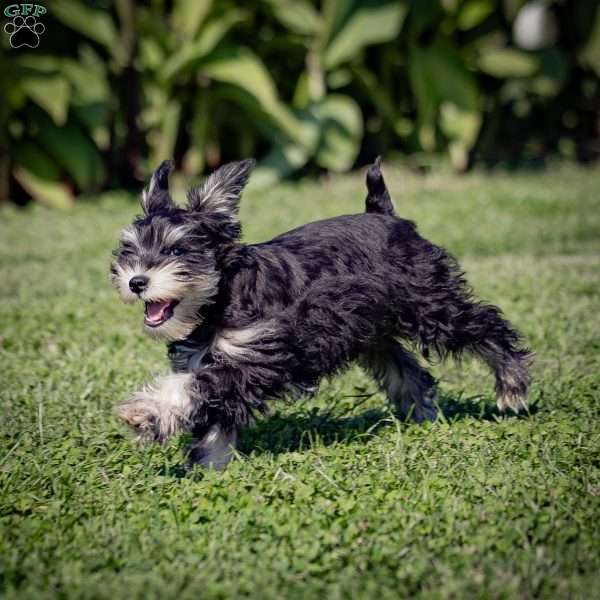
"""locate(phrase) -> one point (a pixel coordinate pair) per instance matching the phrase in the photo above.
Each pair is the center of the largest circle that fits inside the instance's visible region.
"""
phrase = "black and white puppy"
(246, 323)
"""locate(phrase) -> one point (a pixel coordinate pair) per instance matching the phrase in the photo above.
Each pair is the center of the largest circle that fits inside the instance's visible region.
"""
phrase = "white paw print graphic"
(24, 31)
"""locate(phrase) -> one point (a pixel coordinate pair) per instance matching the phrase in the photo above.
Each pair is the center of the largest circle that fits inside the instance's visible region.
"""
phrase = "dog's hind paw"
(511, 401)
(426, 409)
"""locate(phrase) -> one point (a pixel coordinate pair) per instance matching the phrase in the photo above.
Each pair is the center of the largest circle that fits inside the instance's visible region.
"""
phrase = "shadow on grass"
(301, 430)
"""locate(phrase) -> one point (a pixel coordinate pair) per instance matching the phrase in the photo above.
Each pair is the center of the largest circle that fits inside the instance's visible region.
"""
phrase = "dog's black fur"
(256, 322)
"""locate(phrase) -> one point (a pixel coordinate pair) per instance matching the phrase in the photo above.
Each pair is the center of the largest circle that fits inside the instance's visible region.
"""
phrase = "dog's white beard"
(165, 284)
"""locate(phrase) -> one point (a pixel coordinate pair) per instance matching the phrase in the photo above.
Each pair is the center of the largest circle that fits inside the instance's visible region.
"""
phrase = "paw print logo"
(24, 31)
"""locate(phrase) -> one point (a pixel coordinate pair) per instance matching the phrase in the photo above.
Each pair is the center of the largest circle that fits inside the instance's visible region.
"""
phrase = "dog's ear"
(220, 192)
(156, 196)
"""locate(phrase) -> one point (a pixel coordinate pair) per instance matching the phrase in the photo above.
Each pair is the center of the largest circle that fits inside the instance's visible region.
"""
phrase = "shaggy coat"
(246, 323)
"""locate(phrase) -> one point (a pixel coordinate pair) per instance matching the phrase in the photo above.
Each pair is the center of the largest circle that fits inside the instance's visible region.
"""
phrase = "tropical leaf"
(425, 92)
(474, 12)
(50, 92)
(590, 53)
(298, 16)
(462, 128)
(354, 24)
(439, 76)
(94, 24)
(30, 156)
(163, 140)
(423, 14)
(191, 54)
(73, 151)
(282, 160)
(188, 15)
(193, 161)
(340, 124)
(49, 193)
(451, 78)
(508, 62)
(88, 87)
(380, 97)
(239, 67)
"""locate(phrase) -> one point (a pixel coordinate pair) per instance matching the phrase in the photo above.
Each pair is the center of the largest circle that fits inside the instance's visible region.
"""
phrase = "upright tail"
(378, 198)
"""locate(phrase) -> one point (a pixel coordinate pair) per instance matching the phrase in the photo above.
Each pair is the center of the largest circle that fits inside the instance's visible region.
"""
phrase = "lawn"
(331, 497)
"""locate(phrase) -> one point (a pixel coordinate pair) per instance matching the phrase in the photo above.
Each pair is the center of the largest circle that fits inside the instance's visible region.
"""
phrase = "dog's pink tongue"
(155, 311)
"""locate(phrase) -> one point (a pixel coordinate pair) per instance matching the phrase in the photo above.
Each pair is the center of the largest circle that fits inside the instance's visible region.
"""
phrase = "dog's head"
(169, 257)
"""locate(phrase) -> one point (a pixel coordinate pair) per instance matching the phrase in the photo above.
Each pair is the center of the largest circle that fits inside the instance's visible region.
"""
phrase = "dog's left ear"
(156, 196)
(219, 193)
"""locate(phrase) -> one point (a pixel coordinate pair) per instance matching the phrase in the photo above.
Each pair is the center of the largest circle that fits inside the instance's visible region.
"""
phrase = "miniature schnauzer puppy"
(246, 323)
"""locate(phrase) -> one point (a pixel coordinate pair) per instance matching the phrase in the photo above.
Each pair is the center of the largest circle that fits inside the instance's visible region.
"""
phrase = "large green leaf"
(95, 24)
(508, 62)
(188, 16)
(163, 141)
(283, 160)
(380, 97)
(88, 87)
(423, 14)
(474, 12)
(49, 193)
(28, 155)
(354, 24)
(340, 123)
(298, 16)
(41, 78)
(452, 80)
(73, 151)
(425, 91)
(194, 158)
(591, 52)
(462, 128)
(238, 66)
(88, 77)
(191, 53)
(439, 77)
(50, 92)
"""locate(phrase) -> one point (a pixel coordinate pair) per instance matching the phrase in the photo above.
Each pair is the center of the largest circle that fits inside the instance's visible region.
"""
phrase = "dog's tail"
(378, 198)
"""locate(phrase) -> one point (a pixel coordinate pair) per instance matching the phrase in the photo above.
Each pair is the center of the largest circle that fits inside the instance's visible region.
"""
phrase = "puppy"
(246, 323)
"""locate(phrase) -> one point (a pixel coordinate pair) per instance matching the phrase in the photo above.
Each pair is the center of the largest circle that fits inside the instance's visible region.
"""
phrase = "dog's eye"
(173, 251)
(126, 249)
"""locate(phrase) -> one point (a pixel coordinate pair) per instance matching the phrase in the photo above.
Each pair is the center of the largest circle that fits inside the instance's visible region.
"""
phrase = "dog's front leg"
(215, 447)
(161, 409)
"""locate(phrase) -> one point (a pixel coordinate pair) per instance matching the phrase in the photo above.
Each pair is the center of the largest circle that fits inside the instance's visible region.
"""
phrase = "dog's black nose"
(138, 283)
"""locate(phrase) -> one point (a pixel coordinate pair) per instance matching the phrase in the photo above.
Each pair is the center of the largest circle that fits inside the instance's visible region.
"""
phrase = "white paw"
(160, 411)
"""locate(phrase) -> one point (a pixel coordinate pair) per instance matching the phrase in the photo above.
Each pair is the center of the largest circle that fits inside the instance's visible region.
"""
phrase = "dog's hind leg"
(410, 388)
(481, 330)
(484, 332)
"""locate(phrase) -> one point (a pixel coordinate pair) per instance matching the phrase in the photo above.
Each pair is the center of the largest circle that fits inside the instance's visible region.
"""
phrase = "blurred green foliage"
(116, 86)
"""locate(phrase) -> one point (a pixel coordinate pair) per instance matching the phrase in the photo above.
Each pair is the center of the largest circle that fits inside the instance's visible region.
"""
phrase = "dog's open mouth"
(156, 313)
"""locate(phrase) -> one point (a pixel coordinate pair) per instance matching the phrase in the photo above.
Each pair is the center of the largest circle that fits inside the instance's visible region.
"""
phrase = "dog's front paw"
(161, 410)
(215, 449)
(143, 416)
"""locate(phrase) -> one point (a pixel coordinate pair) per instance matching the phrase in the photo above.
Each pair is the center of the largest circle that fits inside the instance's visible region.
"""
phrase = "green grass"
(330, 498)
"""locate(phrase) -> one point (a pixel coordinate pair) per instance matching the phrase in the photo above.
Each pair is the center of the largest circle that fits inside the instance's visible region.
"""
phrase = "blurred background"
(305, 86)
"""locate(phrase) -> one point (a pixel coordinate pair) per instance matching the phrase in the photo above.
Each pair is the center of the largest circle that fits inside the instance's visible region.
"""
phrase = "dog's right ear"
(220, 192)
(156, 196)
